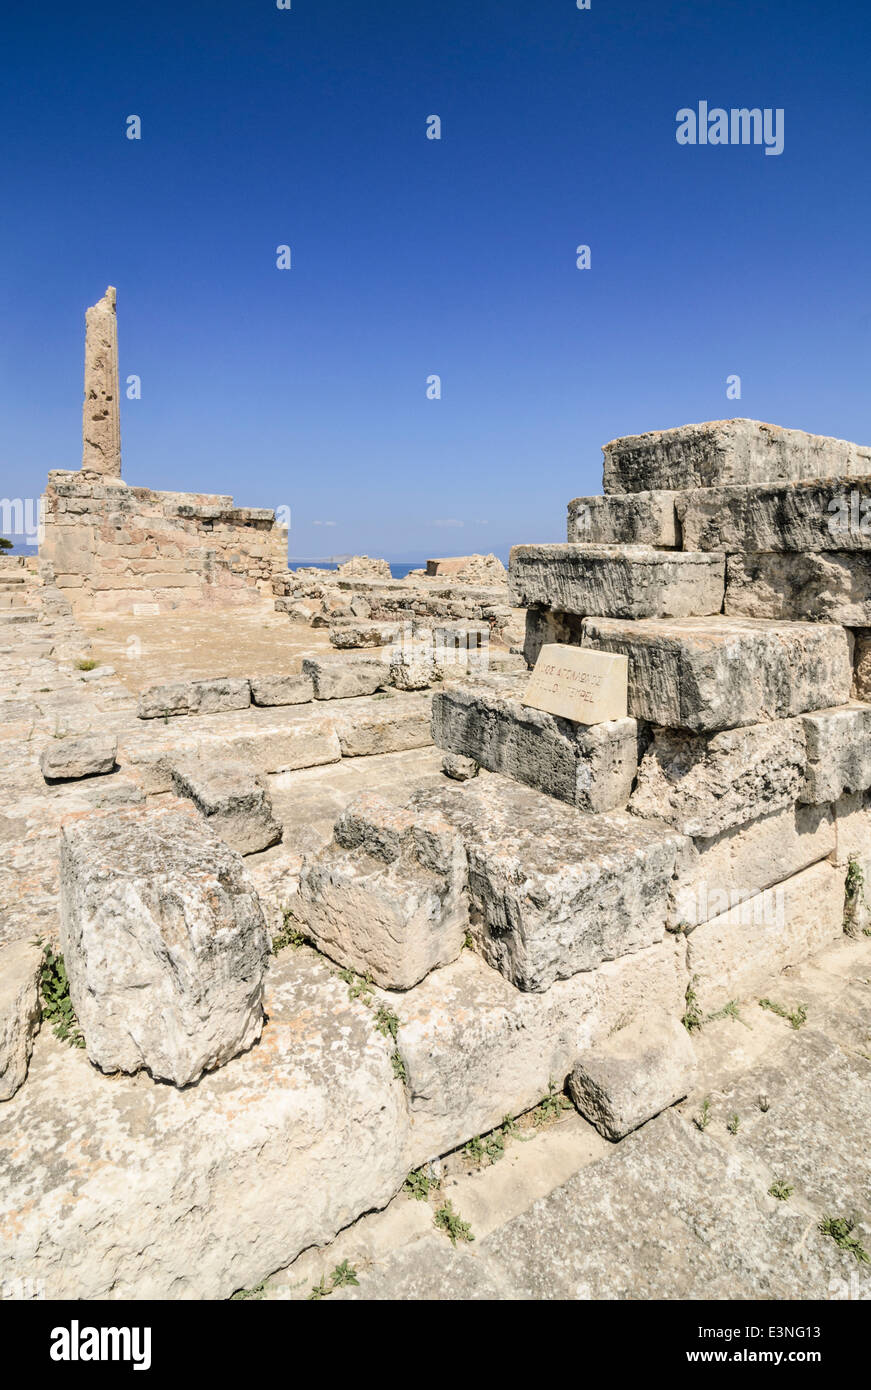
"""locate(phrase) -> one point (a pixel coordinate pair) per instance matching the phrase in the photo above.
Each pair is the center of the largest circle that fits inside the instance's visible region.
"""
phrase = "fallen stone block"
(838, 752)
(164, 943)
(555, 891)
(742, 952)
(717, 452)
(281, 690)
(817, 514)
(387, 897)
(340, 678)
(724, 672)
(706, 784)
(232, 799)
(476, 1049)
(133, 1191)
(852, 854)
(364, 634)
(714, 873)
(194, 697)
(825, 587)
(400, 722)
(458, 768)
(20, 967)
(617, 581)
(637, 518)
(589, 766)
(67, 759)
(413, 667)
(634, 1074)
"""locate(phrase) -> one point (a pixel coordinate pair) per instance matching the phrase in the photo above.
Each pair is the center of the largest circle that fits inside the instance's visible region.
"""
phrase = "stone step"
(820, 586)
(620, 581)
(636, 518)
(16, 615)
(719, 673)
(718, 452)
(814, 514)
(588, 766)
(555, 891)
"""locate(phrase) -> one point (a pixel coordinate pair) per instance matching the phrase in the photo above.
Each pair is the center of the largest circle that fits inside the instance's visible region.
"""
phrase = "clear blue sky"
(411, 257)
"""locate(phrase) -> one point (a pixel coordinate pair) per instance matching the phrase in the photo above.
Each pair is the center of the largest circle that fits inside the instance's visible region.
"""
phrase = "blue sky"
(412, 257)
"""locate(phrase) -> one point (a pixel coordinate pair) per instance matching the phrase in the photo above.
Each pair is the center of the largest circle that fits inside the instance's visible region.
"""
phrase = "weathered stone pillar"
(101, 415)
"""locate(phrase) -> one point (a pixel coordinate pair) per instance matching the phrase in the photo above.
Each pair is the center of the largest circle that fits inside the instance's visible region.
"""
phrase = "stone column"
(101, 415)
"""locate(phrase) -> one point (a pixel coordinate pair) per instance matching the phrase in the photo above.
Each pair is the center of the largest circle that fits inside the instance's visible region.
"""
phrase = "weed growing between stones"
(343, 1275)
(692, 1019)
(54, 993)
(854, 896)
(554, 1103)
(796, 1018)
(734, 1124)
(84, 665)
(703, 1119)
(729, 1010)
(290, 935)
(419, 1184)
(841, 1230)
(453, 1225)
(386, 1021)
(781, 1189)
(243, 1295)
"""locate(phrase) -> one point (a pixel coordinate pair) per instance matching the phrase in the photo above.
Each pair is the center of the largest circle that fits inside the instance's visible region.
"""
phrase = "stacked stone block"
(731, 563)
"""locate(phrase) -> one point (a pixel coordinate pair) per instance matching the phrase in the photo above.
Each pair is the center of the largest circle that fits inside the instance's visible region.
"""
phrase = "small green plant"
(398, 1066)
(729, 1010)
(703, 1119)
(387, 1022)
(341, 1276)
(83, 665)
(854, 895)
(475, 1150)
(796, 1018)
(359, 986)
(781, 1189)
(468, 941)
(419, 1185)
(554, 1103)
(734, 1124)
(692, 1019)
(290, 935)
(243, 1295)
(841, 1230)
(454, 1227)
(54, 990)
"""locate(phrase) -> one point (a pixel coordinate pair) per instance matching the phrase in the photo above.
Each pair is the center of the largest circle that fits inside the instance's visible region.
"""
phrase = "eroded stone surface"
(164, 943)
(339, 678)
(638, 518)
(838, 752)
(826, 587)
(20, 965)
(719, 673)
(101, 413)
(194, 697)
(281, 690)
(235, 802)
(633, 1074)
(66, 759)
(617, 581)
(812, 515)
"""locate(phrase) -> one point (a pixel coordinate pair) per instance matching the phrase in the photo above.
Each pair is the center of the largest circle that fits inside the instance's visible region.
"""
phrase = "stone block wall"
(113, 548)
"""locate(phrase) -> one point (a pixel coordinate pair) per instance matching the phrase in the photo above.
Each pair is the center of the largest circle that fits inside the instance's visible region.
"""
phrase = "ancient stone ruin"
(291, 927)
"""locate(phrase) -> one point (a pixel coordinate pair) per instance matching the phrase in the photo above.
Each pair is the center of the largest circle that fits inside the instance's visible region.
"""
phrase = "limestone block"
(817, 514)
(163, 940)
(387, 897)
(617, 581)
(726, 451)
(838, 752)
(364, 634)
(281, 690)
(133, 1191)
(591, 767)
(637, 518)
(862, 664)
(852, 815)
(830, 587)
(720, 673)
(338, 678)
(234, 801)
(194, 697)
(412, 666)
(579, 684)
(742, 952)
(20, 965)
(458, 768)
(634, 1074)
(101, 413)
(400, 722)
(551, 888)
(545, 625)
(704, 784)
(714, 873)
(66, 759)
(476, 1049)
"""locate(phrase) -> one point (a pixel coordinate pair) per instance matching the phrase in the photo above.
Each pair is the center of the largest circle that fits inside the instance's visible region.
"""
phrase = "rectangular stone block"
(704, 784)
(726, 672)
(555, 891)
(727, 451)
(67, 759)
(616, 581)
(852, 815)
(400, 722)
(235, 802)
(341, 678)
(194, 697)
(838, 752)
(347, 635)
(828, 587)
(741, 953)
(816, 514)
(579, 684)
(281, 690)
(714, 873)
(546, 625)
(387, 897)
(476, 1049)
(589, 767)
(638, 518)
